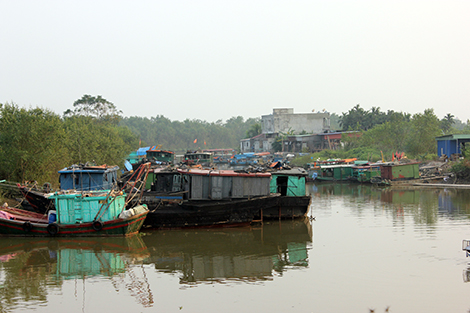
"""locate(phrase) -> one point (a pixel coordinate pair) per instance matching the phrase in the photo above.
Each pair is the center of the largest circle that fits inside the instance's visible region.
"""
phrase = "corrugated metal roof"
(454, 137)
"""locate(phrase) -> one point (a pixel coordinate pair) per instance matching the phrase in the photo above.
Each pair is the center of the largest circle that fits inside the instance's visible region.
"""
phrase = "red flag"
(195, 140)
(204, 142)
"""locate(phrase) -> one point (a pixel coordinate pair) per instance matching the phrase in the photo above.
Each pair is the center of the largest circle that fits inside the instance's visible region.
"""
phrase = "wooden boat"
(198, 158)
(82, 177)
(365, 173)
(397, 173)
(342, 171)
(206, 198)
(77, 214)
(154, 154)
(82, 213)
(331, 170)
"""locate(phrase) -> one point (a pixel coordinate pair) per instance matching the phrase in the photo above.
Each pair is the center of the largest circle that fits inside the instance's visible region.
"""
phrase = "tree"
(96, 107)
(354, 119)
(446, 123)
(31, 144)
(254, 130)
(424, 130)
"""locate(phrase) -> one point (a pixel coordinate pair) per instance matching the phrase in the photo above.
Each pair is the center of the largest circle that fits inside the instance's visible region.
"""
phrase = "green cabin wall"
(74, 208)
(295, 185)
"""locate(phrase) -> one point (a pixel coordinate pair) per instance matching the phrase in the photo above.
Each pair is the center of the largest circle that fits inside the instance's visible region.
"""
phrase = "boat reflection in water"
(236, 254)
(34, 269)
(398, 200)
(31, 267)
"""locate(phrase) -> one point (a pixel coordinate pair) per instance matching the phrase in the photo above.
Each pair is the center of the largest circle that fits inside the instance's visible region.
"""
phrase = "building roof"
(454, 137)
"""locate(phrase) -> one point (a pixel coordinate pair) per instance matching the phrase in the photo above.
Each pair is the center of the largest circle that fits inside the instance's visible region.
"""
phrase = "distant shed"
(451, 144)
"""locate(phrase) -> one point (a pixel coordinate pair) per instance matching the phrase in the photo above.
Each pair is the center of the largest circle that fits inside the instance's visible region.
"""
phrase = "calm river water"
(367, 248)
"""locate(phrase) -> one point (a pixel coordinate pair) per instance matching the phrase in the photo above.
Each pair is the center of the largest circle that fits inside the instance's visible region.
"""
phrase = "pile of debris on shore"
(442, 169)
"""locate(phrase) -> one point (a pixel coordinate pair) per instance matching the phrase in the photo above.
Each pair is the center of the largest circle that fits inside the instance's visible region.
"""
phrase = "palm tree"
(447, 122)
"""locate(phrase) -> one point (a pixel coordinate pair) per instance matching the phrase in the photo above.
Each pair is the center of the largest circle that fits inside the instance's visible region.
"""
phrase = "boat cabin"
(79, 207)
(399, 171)
(198, 157)
(365, 173)
(200, 184)
(87, 178)
(289, 183)
(163, 156)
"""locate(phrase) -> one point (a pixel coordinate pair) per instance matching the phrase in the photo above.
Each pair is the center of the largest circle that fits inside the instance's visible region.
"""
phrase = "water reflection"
(237, 254)
(31, 268)
(423, 204)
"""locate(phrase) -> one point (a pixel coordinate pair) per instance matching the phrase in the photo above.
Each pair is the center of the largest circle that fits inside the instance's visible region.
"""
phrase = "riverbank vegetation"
(191, 134)
(35, 143)
(376, 135)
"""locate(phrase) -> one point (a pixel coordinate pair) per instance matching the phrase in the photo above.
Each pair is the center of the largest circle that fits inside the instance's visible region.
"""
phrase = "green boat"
(366, 173)
(293, 201)
(92, 213)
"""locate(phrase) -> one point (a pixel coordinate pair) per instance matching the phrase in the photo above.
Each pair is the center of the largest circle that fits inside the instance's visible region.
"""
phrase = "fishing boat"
(93, 213)
(365, 173)
(337, 170)
(185, 198)
(398, 173)
(198, 158)
(81, 213)
(82, 177)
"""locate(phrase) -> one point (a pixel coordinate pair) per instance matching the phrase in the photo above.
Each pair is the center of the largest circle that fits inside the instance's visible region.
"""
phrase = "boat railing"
(140, 179)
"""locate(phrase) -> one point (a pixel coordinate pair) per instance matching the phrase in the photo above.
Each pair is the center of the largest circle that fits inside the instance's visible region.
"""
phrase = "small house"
(451, 144)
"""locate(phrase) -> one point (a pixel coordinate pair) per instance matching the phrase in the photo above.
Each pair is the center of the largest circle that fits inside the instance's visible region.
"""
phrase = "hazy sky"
(212, 60)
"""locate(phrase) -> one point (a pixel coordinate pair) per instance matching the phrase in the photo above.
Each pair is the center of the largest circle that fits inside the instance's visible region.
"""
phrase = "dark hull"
(35, 226)
(38, 201)
(288, 207)
(242, 254)
(213, 213)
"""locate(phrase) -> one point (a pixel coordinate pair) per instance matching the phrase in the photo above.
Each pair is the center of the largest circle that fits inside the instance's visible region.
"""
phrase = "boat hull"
(211, 213)
(287, 208)
(33, 227)
(38, 200)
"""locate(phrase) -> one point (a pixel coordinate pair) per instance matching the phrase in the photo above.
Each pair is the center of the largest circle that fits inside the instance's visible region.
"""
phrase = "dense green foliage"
(462, 170)
(180, 136)
(36, 143)
(31, 143)
(359, 119)
(415, 135)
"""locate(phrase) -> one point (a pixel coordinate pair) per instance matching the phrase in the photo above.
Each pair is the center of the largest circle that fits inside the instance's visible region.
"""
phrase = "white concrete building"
(283, 120)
